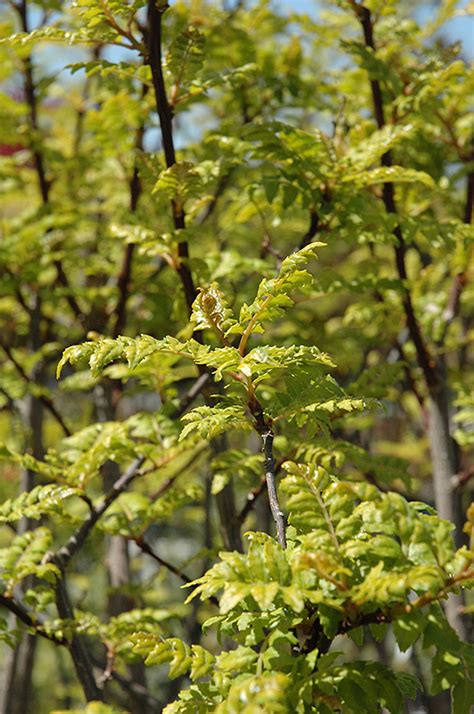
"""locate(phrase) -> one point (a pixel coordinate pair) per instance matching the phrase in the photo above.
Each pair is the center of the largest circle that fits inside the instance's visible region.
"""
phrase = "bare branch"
(312, 230)
(277, 513)
(43, 398)
(251, 499)
(36, 624)
(146, 548)
(77, 646)
(75, 542)
(19, 610)
(263, 427)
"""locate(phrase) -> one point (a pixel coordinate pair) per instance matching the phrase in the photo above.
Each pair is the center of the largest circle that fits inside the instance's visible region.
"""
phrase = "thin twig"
(77, 646)
(312, 230)
(154, 59)
(146, 548)
(425, 360)
(194, 391)
(123, 279)
(38, 159)
(166, 485)
(19, 610)
(43, 398)
(251, 499)
(77, 539)
(68, 550)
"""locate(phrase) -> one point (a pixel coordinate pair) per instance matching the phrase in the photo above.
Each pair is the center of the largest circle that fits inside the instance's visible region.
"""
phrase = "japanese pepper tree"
(243, 237)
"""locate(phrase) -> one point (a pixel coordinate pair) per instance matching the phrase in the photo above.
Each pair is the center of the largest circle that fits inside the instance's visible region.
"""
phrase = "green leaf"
(210, 311)
(408, 628)
(179, 182)
(40, 501)
(209, 422)
(273, 296)
(238, 660)
(389, 174)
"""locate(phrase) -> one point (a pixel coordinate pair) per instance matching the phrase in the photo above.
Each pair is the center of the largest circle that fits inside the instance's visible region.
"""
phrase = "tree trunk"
(225, 501)
(117, 550)
(16, 687)
(443, 458)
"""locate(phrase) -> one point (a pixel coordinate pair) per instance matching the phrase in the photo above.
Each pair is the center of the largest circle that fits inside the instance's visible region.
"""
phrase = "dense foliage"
(235, 335)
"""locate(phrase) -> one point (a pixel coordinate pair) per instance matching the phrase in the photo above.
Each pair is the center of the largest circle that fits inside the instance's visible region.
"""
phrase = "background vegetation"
(243, 232)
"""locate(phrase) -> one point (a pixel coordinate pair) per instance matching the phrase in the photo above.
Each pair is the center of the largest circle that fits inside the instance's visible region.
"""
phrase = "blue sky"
(457, 29)
(53, 58)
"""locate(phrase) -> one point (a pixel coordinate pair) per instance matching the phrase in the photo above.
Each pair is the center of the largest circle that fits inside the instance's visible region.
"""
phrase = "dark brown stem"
(71, 300)
(460, 279)
(251, 499)
(154, 58)
(30, 94)
(312, 230)
(75, 542)
(443, 455)
(43, 398)
(38, 159)
(145, 548)
(19, 610)
(77, 646)
(123, 280)
(426, 362)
